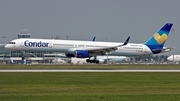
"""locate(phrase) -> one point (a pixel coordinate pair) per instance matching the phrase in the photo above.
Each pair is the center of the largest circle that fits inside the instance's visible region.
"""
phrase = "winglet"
(127, 40)
(94, 38)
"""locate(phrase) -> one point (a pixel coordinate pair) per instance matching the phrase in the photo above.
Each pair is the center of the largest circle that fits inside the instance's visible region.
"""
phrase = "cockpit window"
(11, 42)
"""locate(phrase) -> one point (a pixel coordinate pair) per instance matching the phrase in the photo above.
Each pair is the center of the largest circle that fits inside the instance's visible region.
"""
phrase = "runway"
(84, 70)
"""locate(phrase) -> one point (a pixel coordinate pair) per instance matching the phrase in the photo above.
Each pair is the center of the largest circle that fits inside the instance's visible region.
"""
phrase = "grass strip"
(89, 86)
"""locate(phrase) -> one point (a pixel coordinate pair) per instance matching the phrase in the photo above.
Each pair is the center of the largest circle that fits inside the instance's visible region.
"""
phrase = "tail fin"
(127, 40)
(94, 38)
(157, 41)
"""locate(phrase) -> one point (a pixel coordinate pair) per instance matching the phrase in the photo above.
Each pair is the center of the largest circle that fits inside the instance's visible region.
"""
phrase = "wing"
(104, 50)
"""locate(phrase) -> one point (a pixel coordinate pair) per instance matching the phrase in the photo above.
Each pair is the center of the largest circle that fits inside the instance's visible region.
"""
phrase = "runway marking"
(74, 70)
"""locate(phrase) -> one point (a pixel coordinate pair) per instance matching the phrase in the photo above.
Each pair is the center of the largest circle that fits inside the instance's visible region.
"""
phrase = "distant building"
(4, 53)
(24, 34)
(32, 56)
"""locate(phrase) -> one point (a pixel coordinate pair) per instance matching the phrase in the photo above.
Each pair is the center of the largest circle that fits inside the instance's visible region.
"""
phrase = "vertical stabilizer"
(157, 41)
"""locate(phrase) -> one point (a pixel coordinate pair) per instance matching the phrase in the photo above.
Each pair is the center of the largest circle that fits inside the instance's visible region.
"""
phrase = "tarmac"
(83, 70)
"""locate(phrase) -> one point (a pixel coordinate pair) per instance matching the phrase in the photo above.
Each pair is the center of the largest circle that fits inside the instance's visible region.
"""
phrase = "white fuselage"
(102, 59)
(175, 58)
(69, 46)
(105, 59)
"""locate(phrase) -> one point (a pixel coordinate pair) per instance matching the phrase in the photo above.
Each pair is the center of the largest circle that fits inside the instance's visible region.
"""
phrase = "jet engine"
(82, 54)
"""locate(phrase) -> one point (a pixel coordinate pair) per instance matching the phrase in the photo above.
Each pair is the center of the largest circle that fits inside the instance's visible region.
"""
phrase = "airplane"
(72, 48)
(101, 59)
(175, 58)
(87, 49)
(104, 59)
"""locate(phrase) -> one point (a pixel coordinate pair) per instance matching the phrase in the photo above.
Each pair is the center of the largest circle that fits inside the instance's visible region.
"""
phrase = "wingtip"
(127, 40)
(94, 38)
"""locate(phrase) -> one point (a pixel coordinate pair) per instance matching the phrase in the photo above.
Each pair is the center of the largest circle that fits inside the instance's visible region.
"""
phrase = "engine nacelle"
(82, 54)
(70, 55)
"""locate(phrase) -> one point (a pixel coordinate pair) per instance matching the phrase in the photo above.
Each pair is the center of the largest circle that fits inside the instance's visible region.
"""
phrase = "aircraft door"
(21, 44)
(145, 50)
(50, 45)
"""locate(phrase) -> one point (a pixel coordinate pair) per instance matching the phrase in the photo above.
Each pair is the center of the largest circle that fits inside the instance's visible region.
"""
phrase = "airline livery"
(87, 49)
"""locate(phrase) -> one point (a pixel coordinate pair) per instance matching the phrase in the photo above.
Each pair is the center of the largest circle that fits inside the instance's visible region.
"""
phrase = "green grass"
(93, 66)
(89, 86)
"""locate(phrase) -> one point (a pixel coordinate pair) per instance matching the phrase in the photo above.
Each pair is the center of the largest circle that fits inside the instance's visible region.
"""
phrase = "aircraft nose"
(169, 58)
(7, 46)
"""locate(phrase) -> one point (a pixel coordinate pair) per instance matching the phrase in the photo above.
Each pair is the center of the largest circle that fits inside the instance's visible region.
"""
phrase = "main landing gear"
(92, 61)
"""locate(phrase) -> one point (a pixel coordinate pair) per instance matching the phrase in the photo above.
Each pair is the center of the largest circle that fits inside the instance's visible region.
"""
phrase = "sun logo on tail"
(160, 39)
